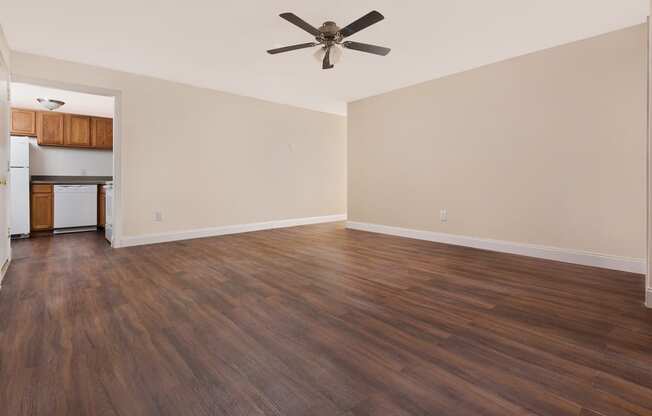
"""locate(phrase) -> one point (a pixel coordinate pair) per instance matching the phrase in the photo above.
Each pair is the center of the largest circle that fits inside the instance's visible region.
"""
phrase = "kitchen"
(61, 162)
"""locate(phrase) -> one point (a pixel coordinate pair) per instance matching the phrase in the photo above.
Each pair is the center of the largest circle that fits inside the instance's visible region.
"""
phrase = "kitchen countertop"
(72, 180)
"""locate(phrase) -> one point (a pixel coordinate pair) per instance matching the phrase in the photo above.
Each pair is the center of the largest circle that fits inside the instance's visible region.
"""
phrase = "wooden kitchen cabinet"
(23, 122)
(42, 207)
(49, 128)
(101, 206)
(63, 129)
(102, 132)
(77, 130)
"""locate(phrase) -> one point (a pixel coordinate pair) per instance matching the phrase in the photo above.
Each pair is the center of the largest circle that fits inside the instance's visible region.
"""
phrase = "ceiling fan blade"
(362, 23)
(292, 47)
(365, 47)
(297, 21)
(327, 59)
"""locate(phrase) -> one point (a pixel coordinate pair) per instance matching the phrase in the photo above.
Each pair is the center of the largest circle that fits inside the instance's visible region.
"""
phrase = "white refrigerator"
(19, 189)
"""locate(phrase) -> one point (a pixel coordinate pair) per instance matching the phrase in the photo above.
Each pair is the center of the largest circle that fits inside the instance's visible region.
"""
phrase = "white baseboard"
(224, 230)
(585, 258)
(648, 298)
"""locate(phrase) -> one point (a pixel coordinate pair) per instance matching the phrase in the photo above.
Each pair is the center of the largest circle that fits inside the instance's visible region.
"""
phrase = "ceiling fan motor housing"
(330, 32)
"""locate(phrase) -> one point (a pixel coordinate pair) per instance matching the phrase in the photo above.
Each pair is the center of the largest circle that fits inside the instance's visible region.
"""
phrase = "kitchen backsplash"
(69, 162)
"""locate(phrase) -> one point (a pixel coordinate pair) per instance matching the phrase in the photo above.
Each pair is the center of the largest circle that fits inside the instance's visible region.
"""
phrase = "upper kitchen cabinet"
(23, 122)
(62, 129)
(77, 130)
(49, 128)
(102, 132)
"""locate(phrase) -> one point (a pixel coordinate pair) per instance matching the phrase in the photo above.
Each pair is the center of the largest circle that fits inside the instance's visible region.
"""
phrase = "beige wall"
(205, 158)
(546, 149)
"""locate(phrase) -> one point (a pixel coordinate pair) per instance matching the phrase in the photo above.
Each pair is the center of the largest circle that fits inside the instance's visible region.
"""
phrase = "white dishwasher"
(75, 208)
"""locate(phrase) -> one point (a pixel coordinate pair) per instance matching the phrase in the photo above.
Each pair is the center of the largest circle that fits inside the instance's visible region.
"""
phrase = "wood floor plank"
(316, 320)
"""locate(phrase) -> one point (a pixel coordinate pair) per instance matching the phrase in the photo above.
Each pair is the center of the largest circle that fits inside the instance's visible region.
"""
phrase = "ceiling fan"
(330, 36)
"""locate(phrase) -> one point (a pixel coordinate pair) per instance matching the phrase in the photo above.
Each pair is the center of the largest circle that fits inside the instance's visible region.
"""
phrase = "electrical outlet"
(158, 216)
(83, 172)
(443, 215)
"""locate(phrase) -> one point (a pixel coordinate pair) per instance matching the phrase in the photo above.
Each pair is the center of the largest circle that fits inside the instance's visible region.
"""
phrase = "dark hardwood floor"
(316, 320)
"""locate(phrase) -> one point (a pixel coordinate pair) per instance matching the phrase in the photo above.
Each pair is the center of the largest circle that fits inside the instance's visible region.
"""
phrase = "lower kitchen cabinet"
(42, 207)
(101, 206)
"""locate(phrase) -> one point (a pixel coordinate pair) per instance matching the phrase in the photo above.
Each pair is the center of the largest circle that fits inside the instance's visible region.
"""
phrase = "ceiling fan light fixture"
(336, 54)
(50, 104)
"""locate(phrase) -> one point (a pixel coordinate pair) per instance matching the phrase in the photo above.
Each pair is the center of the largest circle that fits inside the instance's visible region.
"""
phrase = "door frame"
(117, 140)
(6, 135)
(648, 274)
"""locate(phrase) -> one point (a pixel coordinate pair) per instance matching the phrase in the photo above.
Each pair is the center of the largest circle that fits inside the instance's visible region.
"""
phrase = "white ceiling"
(221, 44)
(25, 95)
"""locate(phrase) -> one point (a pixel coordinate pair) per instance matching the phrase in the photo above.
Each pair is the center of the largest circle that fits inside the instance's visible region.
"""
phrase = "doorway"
(86, 106)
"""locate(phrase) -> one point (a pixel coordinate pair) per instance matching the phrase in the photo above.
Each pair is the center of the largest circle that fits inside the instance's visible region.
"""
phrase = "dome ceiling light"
(49, 103)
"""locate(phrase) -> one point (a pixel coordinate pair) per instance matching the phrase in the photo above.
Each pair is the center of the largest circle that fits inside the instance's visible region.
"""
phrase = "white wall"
(26, 95)
(5, 250)
(59, 161)
(546, 149)
(210, 159)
